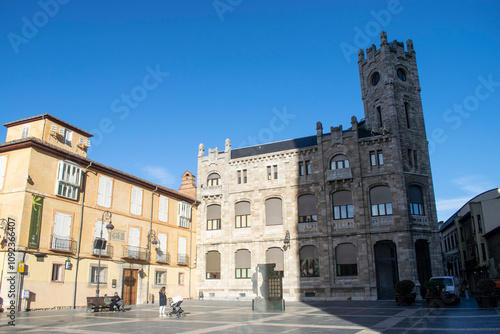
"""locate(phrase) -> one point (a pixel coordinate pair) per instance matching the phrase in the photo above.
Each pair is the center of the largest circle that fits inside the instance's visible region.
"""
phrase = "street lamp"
(106, 215)
(152, 240)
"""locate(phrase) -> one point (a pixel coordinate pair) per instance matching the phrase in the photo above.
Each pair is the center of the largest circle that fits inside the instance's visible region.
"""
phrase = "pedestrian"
(163, 301)
(464, 287)
(117, 301)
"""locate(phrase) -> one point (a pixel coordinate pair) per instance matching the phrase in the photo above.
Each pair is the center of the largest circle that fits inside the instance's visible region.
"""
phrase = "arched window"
(342, 205)
(213, 217)
(243, 263)
(381, 201)
(309, 261)
(273, 212)
(275, 255)
(213, 265)
(242, 214)
(416, 201)
(307, 208)
(213, 180)
(346, 258)
(339, 161)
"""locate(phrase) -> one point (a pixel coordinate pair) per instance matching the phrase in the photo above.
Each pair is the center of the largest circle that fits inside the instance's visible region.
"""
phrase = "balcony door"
(133, 242)
(62, 230)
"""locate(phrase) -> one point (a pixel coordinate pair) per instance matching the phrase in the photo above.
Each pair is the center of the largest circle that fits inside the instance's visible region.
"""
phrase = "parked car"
(452, 291)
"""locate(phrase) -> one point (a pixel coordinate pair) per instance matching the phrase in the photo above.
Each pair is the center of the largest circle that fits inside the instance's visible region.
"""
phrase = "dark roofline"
(452, 217)
(49, 116)
(278, 146)
(28, 142)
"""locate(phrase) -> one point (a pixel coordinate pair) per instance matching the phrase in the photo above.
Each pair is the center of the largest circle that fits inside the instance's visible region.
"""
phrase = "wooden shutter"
(3, 165)
(163, 209)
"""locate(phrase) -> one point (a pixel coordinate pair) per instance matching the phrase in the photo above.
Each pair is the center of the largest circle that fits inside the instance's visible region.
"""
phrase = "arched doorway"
(386, 265)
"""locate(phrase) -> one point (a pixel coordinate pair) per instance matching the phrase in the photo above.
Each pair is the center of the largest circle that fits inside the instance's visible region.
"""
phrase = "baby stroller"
(176, 307)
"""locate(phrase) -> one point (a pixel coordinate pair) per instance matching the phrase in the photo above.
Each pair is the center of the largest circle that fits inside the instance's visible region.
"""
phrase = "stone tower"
(390, 91)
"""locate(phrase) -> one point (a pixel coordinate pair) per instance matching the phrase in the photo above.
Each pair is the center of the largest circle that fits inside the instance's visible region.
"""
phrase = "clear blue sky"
(224, 69)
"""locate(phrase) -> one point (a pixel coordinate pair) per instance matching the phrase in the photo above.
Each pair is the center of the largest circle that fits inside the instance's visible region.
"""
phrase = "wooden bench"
(98, 303)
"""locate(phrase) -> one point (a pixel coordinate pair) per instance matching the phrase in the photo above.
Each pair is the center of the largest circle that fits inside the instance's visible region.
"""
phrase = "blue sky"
(154, 79)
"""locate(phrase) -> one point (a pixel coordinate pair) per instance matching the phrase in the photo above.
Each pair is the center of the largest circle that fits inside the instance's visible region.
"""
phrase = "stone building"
(470, 239)
(56, 204)
(343, 214)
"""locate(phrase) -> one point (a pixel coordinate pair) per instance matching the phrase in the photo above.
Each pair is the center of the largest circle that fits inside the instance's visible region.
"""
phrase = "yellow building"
(55, 204)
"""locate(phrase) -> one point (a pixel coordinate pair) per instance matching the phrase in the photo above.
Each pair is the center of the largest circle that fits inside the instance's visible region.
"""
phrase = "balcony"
(211, 191)
(182, 259)
(63, 244)
(105, 252)
(162, 257)
(135, 253)
(338, 174)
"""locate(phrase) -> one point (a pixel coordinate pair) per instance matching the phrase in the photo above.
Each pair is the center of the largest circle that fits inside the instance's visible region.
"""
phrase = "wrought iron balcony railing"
(162, 257)
(136, 253)
(183, 259)
(63, 244)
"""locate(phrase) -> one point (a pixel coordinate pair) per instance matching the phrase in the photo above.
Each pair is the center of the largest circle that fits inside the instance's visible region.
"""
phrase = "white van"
(452, 292)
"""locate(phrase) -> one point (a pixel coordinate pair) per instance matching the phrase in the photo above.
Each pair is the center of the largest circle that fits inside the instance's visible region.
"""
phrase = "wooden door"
(130, 278)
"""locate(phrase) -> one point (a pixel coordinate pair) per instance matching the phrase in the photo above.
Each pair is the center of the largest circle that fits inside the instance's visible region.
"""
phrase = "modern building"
(56, 205)
(343, 214)
(470, 239)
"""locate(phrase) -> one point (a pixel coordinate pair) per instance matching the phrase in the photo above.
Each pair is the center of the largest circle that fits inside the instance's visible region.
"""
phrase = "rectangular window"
(68, 180)
(275, 170)
(160, 277)
(347, 269)
(3, 165)
(308, 167)
(301, 168)
(105, 191)
(213, 224)
(26, 131)
(181, 278)
(94, 274)
(163, 209)
(136, 201)
(269, 173)
(57, 272)
(343, 211)
(184, 214)
(381, 209)
(380, 158)
(373, 159)
(243, 273)
(243, 221)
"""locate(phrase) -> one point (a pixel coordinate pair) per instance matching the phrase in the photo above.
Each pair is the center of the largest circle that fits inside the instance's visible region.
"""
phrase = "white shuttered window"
(163, 209)
(136, 201)
(105, 191)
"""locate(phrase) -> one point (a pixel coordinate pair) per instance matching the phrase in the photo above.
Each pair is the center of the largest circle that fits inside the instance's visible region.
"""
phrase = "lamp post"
(106, 215)
(152, 240)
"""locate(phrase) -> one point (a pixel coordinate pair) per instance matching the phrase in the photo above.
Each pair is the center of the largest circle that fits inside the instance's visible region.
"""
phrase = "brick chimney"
(188, 184)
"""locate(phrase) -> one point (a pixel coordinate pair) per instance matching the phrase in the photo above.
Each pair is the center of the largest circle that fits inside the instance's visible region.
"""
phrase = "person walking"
(163, 301)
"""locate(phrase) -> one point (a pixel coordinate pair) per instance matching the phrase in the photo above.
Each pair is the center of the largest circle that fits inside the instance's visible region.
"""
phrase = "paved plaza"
(206, 316)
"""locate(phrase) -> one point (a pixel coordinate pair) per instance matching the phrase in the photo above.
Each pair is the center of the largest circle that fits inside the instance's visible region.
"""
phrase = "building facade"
(57, 204)
(470, 239)
(343, 215)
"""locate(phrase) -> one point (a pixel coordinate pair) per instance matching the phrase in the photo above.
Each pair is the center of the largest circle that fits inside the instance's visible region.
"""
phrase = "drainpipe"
(149, 243)
(43, 129)
(80, 234)
(190, 249)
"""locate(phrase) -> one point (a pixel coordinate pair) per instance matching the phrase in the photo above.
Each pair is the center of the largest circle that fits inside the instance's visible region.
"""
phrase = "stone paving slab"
(362, 317)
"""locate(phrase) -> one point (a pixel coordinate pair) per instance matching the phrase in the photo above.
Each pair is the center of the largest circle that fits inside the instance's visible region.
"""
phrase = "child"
(163, 301)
